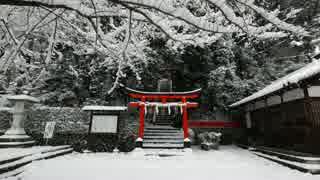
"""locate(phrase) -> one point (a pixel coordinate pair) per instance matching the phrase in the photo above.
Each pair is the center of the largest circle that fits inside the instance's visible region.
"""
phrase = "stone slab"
(23, 97)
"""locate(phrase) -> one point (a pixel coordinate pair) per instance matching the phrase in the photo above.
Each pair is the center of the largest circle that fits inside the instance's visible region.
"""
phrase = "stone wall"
(72, 125)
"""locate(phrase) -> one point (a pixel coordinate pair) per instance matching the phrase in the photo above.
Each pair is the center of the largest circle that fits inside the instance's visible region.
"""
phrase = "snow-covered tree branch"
(119, 31)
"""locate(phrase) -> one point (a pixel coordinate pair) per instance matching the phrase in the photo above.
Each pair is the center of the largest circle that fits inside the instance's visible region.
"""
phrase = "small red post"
(185, 118)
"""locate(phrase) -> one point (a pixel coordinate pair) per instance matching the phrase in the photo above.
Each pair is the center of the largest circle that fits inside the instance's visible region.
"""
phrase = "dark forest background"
(227, 70)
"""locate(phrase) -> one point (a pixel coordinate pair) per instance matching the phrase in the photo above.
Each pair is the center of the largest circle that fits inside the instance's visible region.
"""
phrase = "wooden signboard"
(49, 129)
(104, 123)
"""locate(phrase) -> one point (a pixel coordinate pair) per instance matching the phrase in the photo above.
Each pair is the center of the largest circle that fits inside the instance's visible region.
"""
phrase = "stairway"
(164, 119)
(300, 161)
(13, 164)
(163, 137)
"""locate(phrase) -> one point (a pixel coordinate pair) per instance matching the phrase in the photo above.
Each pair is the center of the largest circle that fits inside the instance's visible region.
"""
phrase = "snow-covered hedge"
(5, 118)
(72, 126)
(71, 120)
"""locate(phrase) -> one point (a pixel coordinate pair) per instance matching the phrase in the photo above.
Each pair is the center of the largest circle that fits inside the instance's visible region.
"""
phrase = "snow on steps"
(160, 127)
(164, 134)
(163, 137)
(14, 165)
(295, 160)
(173, 141)
(289, 157)
(162, 145)
(304, 167)
(12, 173)
(161, 130)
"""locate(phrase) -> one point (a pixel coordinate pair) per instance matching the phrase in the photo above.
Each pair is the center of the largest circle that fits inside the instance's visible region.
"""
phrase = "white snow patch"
(228, 163)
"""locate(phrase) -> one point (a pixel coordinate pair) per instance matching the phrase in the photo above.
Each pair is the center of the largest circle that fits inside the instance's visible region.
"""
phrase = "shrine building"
(284, 114)
(164, 116)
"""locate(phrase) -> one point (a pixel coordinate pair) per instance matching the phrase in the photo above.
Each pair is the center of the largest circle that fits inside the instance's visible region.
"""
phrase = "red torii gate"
(181, 99)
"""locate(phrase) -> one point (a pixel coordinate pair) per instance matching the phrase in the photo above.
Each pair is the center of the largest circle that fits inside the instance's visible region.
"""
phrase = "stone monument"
(16, 136)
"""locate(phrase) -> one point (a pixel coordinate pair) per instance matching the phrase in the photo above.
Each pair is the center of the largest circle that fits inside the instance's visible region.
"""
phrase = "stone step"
(163, 134)
(12, 173)
(11, 167)
(163, 128)
(16, 144)
(289, 157)
(162, 145)
(157, 129)
(162, 131)
(163, 137)
(173, 141)
(164, 124)
(14, 157)
(304, 167)
(291, 152)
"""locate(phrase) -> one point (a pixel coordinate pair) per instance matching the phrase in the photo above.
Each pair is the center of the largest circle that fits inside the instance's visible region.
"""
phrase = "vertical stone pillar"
(16, 136)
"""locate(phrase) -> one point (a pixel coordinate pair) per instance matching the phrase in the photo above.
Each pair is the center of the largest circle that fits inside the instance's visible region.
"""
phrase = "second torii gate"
(160, 99)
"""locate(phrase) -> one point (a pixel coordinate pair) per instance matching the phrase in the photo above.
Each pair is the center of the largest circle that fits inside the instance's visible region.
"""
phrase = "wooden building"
(286, 113)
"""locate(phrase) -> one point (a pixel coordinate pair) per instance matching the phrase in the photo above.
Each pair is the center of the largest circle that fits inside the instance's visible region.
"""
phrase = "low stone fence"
(72, 125)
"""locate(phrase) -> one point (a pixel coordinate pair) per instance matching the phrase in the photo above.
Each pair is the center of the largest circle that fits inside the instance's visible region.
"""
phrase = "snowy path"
(229, 163)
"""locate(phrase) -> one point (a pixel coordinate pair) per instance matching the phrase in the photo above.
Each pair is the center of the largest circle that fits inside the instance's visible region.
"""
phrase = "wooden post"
(266, 121)
(308, 113)
(283, 110)
(307, 106)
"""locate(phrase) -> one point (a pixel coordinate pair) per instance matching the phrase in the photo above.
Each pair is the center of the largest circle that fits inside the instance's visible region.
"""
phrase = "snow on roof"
(305, 72)
(23, 98)
(104, 108)
(163, 93)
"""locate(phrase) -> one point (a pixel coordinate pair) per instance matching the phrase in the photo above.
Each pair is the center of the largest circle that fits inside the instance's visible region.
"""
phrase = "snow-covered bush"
(127, 132)
(67, 119)
(102, 142)
(210, 140)
(72, 126)
(5, 118)
(127, 143)
(80, 146)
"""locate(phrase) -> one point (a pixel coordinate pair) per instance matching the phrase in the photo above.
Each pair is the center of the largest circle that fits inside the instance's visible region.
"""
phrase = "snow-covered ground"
(228, 163)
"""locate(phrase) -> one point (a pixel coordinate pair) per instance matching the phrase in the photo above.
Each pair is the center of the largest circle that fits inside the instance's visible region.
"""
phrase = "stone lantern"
(16, 136)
